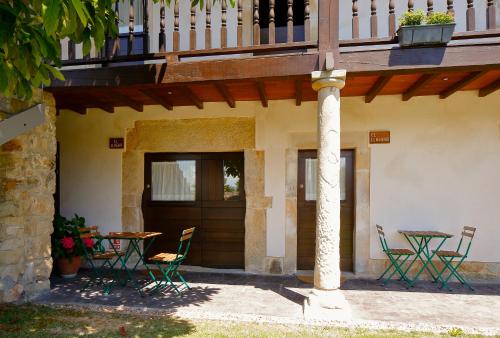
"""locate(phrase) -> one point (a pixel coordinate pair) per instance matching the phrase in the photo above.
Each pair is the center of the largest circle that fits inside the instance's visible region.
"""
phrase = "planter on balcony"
(425, 35)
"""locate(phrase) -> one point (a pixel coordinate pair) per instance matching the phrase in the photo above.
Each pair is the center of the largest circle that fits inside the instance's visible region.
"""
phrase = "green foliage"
(30, 35)
(31, 32)
(455, 331)
(413, 18)
(440, 18)
(64, 228)
(418, 17)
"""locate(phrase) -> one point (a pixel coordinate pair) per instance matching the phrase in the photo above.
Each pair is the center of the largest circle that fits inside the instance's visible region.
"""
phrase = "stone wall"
(27, 184)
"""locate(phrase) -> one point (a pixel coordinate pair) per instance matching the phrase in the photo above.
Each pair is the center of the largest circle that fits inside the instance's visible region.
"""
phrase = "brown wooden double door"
(306, 210)
(202, 190)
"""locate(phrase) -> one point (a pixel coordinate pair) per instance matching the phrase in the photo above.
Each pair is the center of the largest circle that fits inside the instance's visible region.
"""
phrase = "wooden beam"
(462, 83)
(390, 61)
(377, 88)
(225, 94)
(492, 87)
(128, 101)
(77, 108)
(298, 92)
(159, 98)
(192, 97)
(262, 93)
(107, 107)
(421, 82)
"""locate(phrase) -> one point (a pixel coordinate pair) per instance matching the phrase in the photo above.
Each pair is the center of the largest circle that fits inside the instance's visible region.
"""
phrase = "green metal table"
(419, 241)
(134, 246)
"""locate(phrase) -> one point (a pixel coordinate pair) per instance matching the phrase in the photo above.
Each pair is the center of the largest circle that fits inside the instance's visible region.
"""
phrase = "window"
(232, 175)
(173, 181)
(311, 174)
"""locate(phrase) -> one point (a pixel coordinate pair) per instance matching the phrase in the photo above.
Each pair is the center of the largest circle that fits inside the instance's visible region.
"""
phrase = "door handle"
(148, 186)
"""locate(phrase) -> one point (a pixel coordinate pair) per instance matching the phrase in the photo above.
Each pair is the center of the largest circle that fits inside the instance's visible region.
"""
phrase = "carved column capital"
(330, 78)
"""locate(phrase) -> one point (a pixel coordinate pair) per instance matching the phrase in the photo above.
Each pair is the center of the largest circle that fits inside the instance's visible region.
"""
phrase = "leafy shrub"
(66, 242)
(455, 332)
(413, 18)
(440, 18)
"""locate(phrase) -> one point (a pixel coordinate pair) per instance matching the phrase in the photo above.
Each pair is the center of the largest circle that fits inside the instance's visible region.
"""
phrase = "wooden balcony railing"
(369, 20)
(194, 32)
(150, 30)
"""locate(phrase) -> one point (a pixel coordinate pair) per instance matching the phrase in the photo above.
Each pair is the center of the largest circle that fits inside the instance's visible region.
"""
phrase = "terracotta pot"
(67, 268)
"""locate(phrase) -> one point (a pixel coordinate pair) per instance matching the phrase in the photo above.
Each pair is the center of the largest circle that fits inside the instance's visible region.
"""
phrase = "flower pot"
(425, 35)
(69, 268)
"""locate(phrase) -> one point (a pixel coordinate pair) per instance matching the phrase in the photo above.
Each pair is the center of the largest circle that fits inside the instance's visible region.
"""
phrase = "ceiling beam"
(107, 107)
(225, 94)
(192, 97)
(128, 101)
(421, 82)
(492, 87)
(461, 84)
(77, 108)
(262, 93)
(377, 88)
(159, 98)
(298, 92)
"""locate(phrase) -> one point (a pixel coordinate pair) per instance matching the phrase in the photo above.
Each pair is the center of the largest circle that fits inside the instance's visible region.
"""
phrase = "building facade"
(220, 131)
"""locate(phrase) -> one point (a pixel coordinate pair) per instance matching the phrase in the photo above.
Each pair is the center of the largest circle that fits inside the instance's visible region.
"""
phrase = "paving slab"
(249, 297)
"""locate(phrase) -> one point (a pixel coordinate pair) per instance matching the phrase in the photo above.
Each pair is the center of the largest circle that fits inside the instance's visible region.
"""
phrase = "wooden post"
(449, 6)
(130, 42)
(145, 26)
(223, 29)
(161, 37)
(328, 33)
(116, 44)
(491, 21)
(208, 25)
(71, 50)
(176, 27)
(392, 19)
(240, 24)
(373, 19)
(192, 30)
(355, 20)
(307, 21)
(289, 29)
(272, 27)
(411, 4)
(471, 16)
(430, 7)
(256, 23)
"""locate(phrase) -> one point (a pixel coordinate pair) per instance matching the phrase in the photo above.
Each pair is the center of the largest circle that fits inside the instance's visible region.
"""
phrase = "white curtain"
(311, 175)
(310, 181)
(173, 181)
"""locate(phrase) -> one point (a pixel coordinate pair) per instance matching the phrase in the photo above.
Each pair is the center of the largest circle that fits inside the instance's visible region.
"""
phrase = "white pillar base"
(327, 305)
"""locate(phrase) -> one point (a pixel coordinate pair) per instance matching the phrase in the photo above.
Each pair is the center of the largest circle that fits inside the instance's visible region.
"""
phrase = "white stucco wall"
(440, 170)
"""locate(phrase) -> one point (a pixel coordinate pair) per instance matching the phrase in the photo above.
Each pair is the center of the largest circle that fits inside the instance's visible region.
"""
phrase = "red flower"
(89, 242)
(68, 243)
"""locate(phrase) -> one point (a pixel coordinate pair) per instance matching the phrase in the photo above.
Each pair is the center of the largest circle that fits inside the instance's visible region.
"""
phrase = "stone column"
(326, 294)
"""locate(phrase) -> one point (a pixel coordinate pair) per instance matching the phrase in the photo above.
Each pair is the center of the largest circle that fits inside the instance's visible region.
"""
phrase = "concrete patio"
(226, 296)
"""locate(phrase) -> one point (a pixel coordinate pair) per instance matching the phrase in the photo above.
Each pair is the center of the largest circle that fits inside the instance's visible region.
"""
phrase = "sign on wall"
(116, 143)
(380, 137)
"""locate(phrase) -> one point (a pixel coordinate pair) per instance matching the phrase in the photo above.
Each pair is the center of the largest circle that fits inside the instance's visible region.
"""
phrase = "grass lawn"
(42, 321)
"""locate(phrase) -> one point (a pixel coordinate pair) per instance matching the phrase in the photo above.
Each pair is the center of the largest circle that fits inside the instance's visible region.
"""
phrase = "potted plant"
(417, 29)
(67, 246)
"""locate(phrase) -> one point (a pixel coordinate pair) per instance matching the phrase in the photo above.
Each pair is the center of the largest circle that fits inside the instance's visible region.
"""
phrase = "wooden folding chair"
(448, 257)
(394, 255)
(172, 261)
(107, 259)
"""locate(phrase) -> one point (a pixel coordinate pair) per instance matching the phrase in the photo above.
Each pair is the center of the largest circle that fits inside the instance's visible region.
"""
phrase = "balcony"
(266, 49)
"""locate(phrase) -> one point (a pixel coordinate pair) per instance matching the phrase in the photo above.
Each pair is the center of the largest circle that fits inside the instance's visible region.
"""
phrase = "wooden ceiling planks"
(264, 90)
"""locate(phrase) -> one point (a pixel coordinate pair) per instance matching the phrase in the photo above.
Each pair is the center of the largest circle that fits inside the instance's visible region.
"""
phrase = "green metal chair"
(394, 256)
(98, 253)
(168, 263)
(448, 258)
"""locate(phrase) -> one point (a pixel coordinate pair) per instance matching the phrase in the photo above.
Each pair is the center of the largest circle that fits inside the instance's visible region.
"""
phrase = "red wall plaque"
(116, 143)
(379, 137)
